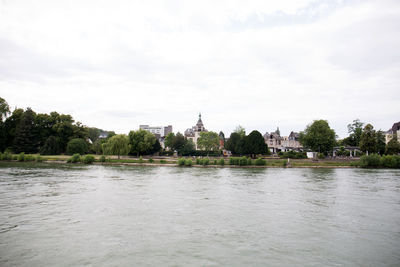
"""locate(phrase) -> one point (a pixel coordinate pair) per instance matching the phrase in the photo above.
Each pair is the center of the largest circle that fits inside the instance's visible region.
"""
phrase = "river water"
(161, 216)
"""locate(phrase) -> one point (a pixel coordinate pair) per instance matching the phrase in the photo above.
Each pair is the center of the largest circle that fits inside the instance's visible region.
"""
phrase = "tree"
(169, 140)
(188, 148)
(368, 142)
(355, 131)
(393, 146)
(141, 141)
(76, 146)
(155, 148)
(255, 144)
(4, 109)
(25, 140)
(318, 136)
(178, 142)
(380, 142)
(240, 130)
(93, 134)
(51, 146)
(208, 141)
(117, 145)
(232, 142)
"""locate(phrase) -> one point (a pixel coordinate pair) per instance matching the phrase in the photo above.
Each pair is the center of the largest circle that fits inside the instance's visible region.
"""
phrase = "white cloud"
(261, 64)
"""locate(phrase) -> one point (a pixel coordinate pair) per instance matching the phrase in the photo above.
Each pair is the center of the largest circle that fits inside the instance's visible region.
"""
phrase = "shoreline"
(177, 165)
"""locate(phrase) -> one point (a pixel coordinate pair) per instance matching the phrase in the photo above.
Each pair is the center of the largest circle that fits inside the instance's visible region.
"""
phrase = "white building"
(194, 132)
(159, 131)
(277, 143)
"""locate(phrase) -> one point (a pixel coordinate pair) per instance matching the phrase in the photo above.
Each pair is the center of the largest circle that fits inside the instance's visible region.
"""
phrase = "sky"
(260, 64)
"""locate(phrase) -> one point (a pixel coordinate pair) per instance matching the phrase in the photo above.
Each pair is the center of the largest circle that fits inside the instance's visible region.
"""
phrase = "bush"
(243, 161)
(162, 161)
(249, 162)
(293, 155)
(206, 161)
(371, 161)
(221, 162)
(88, 159)
(151, 160)
(74, 159)
(38, 158)
(260, 162)
(215, 162)
(198, 161)
(15, 157)
(21, 156)
(29, 158)
(6, 156)
(76, 146)
(188, 162)
(102, 158)
(140, 159)
(321, 155)
(390, 161)
(181, 162)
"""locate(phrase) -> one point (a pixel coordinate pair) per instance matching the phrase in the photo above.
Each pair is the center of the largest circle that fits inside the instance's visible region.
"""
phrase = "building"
(395, 130)
(277, 143)
(159, 131)
(194, 132)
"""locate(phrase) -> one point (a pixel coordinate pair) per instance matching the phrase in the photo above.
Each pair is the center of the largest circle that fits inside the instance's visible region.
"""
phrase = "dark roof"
(396, 126)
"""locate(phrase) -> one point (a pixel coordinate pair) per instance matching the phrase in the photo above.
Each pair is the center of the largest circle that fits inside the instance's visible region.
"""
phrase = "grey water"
(63, 215)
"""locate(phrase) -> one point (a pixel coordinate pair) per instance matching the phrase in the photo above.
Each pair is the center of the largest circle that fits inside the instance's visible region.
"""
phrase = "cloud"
(261, 64)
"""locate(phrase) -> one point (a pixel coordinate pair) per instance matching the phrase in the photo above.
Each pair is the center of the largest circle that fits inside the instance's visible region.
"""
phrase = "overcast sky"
(261, 64)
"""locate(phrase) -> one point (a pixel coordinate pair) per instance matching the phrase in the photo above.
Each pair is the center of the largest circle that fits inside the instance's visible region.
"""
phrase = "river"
(63, 215)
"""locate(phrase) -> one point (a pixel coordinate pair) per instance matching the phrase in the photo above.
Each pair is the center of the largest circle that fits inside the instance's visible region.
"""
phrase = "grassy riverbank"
(195, 162)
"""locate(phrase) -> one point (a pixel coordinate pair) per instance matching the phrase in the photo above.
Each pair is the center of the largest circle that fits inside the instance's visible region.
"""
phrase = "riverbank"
(196, 162)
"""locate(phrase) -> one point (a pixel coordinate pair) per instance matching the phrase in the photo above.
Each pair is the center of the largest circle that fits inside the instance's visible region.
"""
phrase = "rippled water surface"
(123, 216)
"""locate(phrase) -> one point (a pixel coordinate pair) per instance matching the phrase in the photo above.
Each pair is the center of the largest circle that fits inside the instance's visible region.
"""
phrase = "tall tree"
(169, 140)
(368, 142)
(51, 146)
(256, 144)
(141, 141)
(178, 142)
(393, 146)
(380, 142)
(4, 109)
(232, 142)
(355, 130)
(318, 136)
(208, 141)
(93, 134)
(117, 145)
(25, 140)
(240, 130)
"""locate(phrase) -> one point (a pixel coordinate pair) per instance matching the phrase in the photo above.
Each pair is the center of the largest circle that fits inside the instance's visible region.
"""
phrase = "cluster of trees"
(241, 144)
(318, 136)
(208, 141)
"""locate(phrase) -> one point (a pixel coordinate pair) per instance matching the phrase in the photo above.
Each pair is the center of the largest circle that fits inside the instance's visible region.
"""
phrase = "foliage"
(141, 141)
(156, 148)
(117, 145)
(25, 139)
(318, 136)
(205, 161)
(162, 161)
(355, 130)
(372, 160)
(260, 162)
(88, 159)
(151, 160)
(76, 145)
(241, 161)
(51, 146)
(368, 142)
(188, 148)
(169, 140)
(255, 144)
(380, 142)
(233, 142)
(393, 146)
(178, 142)
(241, 131)
(188, 162)
(208, 141)
(4, 109)
(74, 159)
(390, 161)
(221, 162)
(293, 155)
(38, 158)
(102, 158)
(140, 159)
(29, 158)
(181, 162)
(21, 156)
(93, 134)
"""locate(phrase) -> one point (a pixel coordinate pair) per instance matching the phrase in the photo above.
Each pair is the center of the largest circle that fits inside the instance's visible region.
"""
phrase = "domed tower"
(199, 125)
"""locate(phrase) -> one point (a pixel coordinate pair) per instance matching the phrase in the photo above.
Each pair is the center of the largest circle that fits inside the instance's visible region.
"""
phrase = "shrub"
(162, 161)
(140, 159)
(222, 162)
(390, 161)
(38, 158)
(181, 162)
(198, 161)
(88, 159)
(29, 158)
(188, 162)
(6, 156)
(215, 162)
(206, 161)
(260, 162)
(76, 146)
(15, 157)
(372, 160)
(243, 161)
(75, 158)
(21, 156)
(293, 155)
(151, 160)
(321, 155)
(102, 158)
(249, 162)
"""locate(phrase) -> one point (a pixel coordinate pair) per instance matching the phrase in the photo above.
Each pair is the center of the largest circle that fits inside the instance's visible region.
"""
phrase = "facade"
(395, 130)
(277, 143)
(194, 132)
(158, 131)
